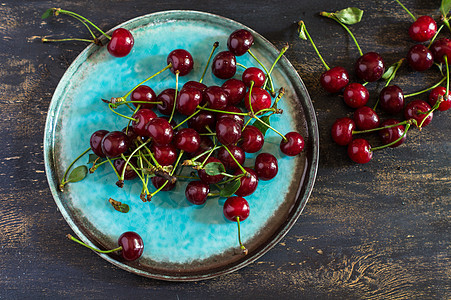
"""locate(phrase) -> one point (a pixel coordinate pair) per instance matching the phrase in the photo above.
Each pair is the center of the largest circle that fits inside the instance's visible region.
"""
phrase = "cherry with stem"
(215, 45)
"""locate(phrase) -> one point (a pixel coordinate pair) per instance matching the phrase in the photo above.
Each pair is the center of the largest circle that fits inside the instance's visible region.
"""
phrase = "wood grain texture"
(375, 231)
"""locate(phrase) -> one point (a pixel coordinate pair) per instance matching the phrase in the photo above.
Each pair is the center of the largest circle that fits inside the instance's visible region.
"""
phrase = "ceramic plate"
(182, 241)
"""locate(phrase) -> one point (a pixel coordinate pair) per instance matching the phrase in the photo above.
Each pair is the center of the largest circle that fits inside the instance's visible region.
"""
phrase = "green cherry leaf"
(350, 15)
(262, 127)
(301, 30)
(214, 168)
(47, 13)
(230, 188)
(119, 206)
(78, 174)
(445, 7)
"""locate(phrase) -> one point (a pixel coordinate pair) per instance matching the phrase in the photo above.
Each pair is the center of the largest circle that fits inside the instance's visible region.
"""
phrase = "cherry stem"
(270, 127)
(333, 17)
(158, 166)
(63, 180)
(232, 178)
(172, 173)
(284, 49)
(239, 235)
(89, 28)
(215, 45)
(428, 113)
(365, 83)
(380, 128)
(127, 160)
(45, 40)
(398, 65)
(70, 237)
(424, 91)
(435, 36)
(203, 153)
(447, 74)
(189, 117)
(445, 20)
(121, 115)
(408, 11)
(77, 16)
(175, 96)
(303, 28)
(241, 65)
(279, 96)
(250, 97)
(222, 111)
(147, 79)
(268, 75)
(394, 142)
(234, 159)
(134, 169)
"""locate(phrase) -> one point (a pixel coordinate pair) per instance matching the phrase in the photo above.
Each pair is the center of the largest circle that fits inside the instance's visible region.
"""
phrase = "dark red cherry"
(236, 207)
(266, 166)
(215, 97)
(440, 48)
(238, 118)
(423, 29)
(132, 245)
(165, 154)
(366, 118)
(240, 41)
(129, 172)
(228, 131)
(235, 89)
(208, 179)
(370, 67)
(391, 134)
(160, 131)
(224, 65)
(355, 95)
(144, 115)
(420, 58)
(253, 74)
(197, 192)
(227, 160)
(335, 79)
(114, 144)
(293, 145)
(96, 142)
(187, 100)
(359, 150)
(417, 109)
(202, 120)
(260, 100)
(181, 61)
(252, 139)
(158, 182)
(342, 131)
(436, 93)
(391, 99)
(132, 135)
(121, 43)
(196, 84)
(167, 97)
(248, 184)
(187, 139)
(143, 93)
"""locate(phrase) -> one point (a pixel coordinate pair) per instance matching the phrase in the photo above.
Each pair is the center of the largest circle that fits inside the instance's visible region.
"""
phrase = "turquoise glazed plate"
(182, 242)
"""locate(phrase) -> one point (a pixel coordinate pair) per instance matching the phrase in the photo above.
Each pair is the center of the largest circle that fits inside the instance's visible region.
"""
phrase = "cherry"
(238, 118)
(205, 145)
(228, 131)
(121, 43)
(115, 143)
(436, 93)
(370, 67)
(240, 41)
(391, 134)
(333, 80)
(236, 207)
(227, 160)
(143, 93)
(253, 74)
(420, 58)
(391, 99)
(235, 89)
(132, 136)
(423, 29)
(187, 100)
(160, 131)
(132, 245)
(252, 139)
(224, 65)
(215, 97)
(167, 98)
(202, 120)
(158, 182)
(342, 131)
(418, 110)
(209, 179)
(266, 166)
(248, 185)
(260, 100)
(359, 150)
(197, 192)
(293, 145)
(129, 172)
(96, 142)
(355, 95)
(144, 115)
(165, 155)
(187, 139)
(366, 118)
(196, 84)
(181, 61)
(440, 48)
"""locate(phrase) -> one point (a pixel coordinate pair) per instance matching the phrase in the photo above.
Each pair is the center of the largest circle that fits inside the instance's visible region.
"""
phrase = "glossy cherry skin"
(228, 131)
(335, 79)
(132, 245)
(293, 145)
(423, 29)
(355, 95)
(129, 172)
(266, 166)
(196, 84)
(342, 131)
(253, 74)
(224, 65)
(227, 160)
(235, 90)
(240, 41)
(390, 135)
(208, 179)
(236, 207)
(260, 100)
(168, 98)
(436, 93)
(359, 150)
(158, 182)
(187, 139)
(181, 61)
(370, 67)
(391, 99)
(416, 110)
(252, 139)
(121, 43)
(215, 97)
(115, 143)
(96, 142)
(197, 192)
(144, 115)
(366, 118)
(238, 118)
(440, 48)
(187, 100)
(165, 154)
(248, 184)
(202, 120)
(160, 131)
(420, 58)
(143, 93)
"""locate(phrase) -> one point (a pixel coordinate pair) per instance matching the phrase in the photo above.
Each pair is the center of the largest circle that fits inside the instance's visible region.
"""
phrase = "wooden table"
(379, 230)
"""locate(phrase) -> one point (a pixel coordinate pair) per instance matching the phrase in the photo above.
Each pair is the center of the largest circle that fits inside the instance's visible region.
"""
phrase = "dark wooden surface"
(376, 231)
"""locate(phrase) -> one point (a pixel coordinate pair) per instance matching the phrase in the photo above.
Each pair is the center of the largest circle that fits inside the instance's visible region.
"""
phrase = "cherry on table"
(202, 120)
(165, 155)
(143, 93)
(235, 89)
(342, 131)
(370, 67)
(423, 29)
(129, 172)
(121, 43)
(160, 131)
(335, 79)
(252, 139)
(293, 145)
(420, 58)
(181, 61)
(240, 41)
(260, 99)
(253, 74)
(435, 94)
(389, 135)
(209, 179)
(417, 109)
(238, 118)
(366, 118)
(114, 144)
(215, 97)
(96, 142)
(197, 192)
(248, 185)
(187, 100)
(227, 160)
(266, 166)
(167, 97)
(228, 131)
(391, 99)
(440, 48)
(355, 95)
(187, 139)
(143, 116)
(224, 65)
(359, 151)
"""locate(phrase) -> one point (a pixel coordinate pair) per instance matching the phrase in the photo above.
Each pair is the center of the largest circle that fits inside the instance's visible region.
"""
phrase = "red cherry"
(238, 118)
(115, 143)
(236, 207)
(260, 100)
(248, 185)
(215, 97)
(143, 93)
(187, 100)
(196, 84)
(160, 131)
(417, 109)
(391, 134)
(235, 89)
(132, 245)
(342, 131)
(420, 58)
(181, 61)
(96, 142)
(366, 118)
(202, 120)
(359, 150)
(293, 145)
(227, 160)
(187, 139)
(240, 41)
(335, 79)
(167, 97)
(436, 93)
(197, 192)
(266, 166)
(440, 48)
(370, 67)
(391, 99)
(158, 182)
(224, 65)
(121, 43)
(165, 155)
(144, 115)
(423, 29)
(228, 131)
(355, 95)
(253, 74)
(205, 144)
(252, 139)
